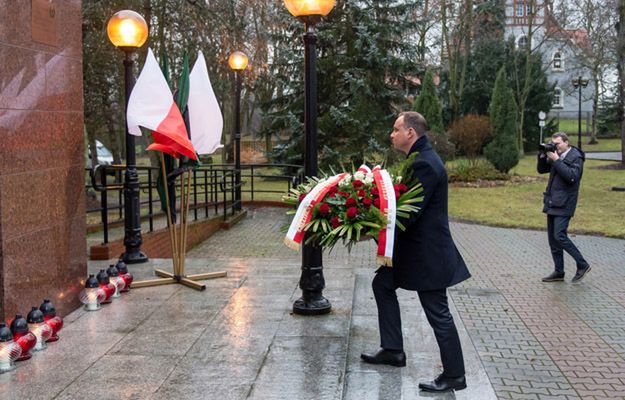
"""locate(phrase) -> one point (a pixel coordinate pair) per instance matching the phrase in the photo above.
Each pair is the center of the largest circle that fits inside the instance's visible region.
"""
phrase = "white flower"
(398, 179)
(346, 180)
(359, 175)
(368, 179)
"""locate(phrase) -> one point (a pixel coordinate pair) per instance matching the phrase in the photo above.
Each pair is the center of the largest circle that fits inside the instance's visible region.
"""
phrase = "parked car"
(105, 157)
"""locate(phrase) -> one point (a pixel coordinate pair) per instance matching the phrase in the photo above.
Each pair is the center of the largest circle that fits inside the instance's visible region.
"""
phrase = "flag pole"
(186, 219)
(170, 227)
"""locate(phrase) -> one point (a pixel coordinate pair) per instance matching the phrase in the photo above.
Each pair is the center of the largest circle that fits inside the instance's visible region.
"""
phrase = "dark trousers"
(436, 310)
(560, 242)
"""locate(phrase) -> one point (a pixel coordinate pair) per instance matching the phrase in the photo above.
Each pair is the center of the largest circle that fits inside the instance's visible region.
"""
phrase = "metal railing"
(212, 194)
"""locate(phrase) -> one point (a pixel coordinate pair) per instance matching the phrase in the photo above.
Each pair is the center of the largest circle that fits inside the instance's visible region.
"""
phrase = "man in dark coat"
(565, 167)
(425, 259)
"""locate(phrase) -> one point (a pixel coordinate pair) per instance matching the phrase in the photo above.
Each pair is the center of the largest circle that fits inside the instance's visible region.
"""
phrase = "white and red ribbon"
(295, 234)
(388, 207)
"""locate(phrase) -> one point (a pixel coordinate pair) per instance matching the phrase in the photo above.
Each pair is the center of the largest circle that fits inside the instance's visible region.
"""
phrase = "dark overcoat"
(425, 256)
(560, 198)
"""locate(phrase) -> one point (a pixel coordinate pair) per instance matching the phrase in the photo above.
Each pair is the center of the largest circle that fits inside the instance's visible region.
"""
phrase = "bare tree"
(594, 22)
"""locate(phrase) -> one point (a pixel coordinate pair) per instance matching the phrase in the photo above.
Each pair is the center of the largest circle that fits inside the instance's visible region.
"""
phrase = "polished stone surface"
(42, 205)
(238, 339)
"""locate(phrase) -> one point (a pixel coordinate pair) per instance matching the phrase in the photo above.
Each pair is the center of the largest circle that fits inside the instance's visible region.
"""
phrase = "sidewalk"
(523, 339)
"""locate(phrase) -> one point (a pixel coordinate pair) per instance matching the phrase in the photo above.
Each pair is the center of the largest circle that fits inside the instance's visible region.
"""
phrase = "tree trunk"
(621, 72)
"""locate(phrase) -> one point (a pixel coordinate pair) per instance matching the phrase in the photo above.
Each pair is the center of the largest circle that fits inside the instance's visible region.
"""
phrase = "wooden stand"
(178, 243)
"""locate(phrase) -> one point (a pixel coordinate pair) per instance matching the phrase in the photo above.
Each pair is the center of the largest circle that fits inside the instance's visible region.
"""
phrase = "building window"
(558, 100)
(529, 9)
(519, 9)
(558, 62)
(522, 42)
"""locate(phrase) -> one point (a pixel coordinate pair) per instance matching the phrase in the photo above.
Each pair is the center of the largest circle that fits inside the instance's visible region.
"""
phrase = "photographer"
(565, 165)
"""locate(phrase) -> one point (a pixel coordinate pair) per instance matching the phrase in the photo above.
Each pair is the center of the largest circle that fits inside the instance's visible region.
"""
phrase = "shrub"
(440, 142)
(469, 134)
(471, 171)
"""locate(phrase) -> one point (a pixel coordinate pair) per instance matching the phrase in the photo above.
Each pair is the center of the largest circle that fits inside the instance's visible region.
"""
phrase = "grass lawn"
(603, 145)
(599, 210)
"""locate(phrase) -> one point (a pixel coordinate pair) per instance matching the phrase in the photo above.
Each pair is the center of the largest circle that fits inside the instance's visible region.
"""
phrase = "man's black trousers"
(436, 310)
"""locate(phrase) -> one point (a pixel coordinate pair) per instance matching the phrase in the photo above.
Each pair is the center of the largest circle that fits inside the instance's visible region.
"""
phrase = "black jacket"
(565, 175)
(425, 256)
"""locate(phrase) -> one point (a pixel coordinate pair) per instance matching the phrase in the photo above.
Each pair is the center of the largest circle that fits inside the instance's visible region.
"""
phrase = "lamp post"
(311, 281)
(128, 31)
(579, 83)
(237, 62)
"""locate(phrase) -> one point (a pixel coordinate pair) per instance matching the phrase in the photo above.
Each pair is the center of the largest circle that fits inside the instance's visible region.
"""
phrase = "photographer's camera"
(548, 147)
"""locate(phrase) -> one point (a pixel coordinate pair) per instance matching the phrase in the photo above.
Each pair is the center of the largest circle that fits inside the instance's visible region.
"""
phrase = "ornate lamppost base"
(135, 257)
(314, 304)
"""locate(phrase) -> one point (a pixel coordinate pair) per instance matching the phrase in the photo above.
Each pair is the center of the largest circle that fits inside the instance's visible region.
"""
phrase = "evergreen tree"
(502, 151)
(428, 105)
(487, 56)
(363, 56)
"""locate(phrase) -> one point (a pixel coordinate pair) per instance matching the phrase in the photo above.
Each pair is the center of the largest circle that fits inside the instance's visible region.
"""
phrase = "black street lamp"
(311, 281)
(237, 62)
(128, 31)
(579, 83)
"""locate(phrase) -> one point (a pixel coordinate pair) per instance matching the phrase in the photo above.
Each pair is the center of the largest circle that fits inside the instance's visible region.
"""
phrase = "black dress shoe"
(554, 277)
(388, 357)
(442, 384)
(580, 274)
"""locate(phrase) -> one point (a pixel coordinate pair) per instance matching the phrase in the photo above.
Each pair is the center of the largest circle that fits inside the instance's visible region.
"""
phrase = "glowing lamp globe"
(309, 8)
(126, 276)
(23, 337)
(39, 328)
(54, 321)
(238, 61)
(92, 295)
(9, 350)
(116, 280)
(127, 29)
(105, 284)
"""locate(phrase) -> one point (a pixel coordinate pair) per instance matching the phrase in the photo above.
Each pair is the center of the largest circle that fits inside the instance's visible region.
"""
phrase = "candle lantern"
(92, 295)
(9, 350)
(126, 276)
(116, 280)
(23, 337)
(39, 328)
(54, 321)
(105, 284)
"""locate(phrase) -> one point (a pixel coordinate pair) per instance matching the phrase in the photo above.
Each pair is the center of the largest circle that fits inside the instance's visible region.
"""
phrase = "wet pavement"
(522, 339)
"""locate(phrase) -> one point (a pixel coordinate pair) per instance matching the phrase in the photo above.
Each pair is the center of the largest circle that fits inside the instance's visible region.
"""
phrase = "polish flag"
(152, 106)
(205, 120)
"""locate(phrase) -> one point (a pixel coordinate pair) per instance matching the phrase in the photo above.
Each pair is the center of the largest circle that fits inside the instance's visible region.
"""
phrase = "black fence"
(213, 191)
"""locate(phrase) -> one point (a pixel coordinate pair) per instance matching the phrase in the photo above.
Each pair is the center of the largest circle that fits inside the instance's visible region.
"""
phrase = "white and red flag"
(152, 106)
(205, 120)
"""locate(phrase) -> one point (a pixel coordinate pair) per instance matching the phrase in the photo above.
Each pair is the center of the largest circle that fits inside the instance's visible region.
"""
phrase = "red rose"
(351, 202)
(335, 222)
(375, 191)
(332, 195)
(376, 202)
(366, 202)
(402, 188)
(333, 189)
(344, 194)
(362, 193)
(396, 193)
(324, 209)
(301, 197)
(357, 183)
(352, 212)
